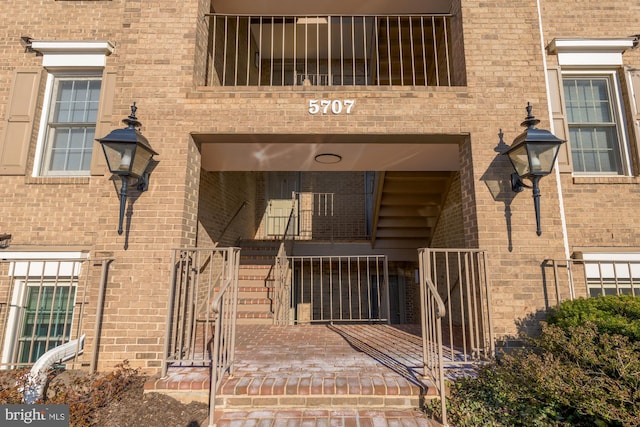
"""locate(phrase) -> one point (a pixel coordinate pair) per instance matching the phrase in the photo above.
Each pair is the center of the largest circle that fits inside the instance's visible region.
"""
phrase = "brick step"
(254, 321)
(254, 292)
(251, 286)
(252, 289)
(254, 281)
(252, 314)
(317, 401)
(305, 383)
(316, 373)
(261, 261)
(254, 274)
(253, 270)
(303, 390)
(323, 417)
(254, 305)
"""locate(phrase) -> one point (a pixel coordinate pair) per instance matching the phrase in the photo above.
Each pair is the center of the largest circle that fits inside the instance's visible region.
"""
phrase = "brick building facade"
(235, 128)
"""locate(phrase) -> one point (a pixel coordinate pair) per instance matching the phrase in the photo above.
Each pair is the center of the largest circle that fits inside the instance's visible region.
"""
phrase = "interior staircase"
(255, 282)
(407, 208)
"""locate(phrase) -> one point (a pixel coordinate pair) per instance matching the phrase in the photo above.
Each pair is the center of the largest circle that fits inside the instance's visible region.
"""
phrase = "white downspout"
(563, 221)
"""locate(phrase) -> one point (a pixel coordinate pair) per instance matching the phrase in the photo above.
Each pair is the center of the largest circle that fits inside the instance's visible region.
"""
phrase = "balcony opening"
(334, 50)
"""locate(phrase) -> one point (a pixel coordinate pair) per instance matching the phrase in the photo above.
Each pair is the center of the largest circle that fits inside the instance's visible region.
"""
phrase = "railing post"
(224, 305)
(487, 298)
(386, 288)
(433, 310)
(423, 306)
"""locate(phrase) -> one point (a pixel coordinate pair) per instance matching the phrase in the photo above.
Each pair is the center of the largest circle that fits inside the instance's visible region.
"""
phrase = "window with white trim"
(42, 301)
(594, 117)
(71, 123)
(612, 273)
(70, 109)
(592, 106)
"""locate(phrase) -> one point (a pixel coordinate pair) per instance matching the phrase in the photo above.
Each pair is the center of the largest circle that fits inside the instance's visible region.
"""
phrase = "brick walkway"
(325, 418)
(317, 375)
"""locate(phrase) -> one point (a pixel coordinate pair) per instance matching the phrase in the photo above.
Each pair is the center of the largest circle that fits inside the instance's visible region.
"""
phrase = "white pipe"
(563, 220)
(37, 377)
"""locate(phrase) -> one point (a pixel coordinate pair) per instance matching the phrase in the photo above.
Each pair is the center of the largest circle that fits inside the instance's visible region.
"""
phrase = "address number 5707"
(335, 106)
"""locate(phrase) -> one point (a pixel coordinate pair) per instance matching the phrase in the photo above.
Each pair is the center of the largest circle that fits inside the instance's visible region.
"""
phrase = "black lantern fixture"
(128, 155)
(5, 239)
(533, 154)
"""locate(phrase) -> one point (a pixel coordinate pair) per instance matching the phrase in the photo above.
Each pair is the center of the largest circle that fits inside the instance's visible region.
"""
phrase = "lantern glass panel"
(520, 160)
(119, 156)
(542, 155)
(141, 161)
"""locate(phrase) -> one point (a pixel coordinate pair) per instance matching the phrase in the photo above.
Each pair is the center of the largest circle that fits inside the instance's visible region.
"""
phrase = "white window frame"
(615, 95)
(46, 133)
(65, 58)
(22, 268)
(611, 271)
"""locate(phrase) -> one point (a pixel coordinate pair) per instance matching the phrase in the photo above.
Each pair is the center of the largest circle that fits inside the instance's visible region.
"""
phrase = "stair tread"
(255, 315)
(292, 384)
(254, 300)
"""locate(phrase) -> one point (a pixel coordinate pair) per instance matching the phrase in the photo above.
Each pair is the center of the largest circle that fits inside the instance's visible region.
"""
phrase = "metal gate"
(340, 289)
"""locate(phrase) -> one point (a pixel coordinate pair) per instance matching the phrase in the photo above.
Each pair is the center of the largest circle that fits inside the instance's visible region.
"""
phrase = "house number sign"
(333, 106)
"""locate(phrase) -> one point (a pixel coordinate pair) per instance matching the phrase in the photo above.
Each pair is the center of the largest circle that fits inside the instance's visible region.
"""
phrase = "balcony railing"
(366, 50)
(586, 278)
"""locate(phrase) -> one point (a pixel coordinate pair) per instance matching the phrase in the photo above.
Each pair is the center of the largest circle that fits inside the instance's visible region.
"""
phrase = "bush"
(83, 392)
(572, 374)
(611, 314)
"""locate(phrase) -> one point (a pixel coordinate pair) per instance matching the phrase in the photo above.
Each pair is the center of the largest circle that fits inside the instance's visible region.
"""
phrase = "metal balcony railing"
(365, 50)
(581, 278)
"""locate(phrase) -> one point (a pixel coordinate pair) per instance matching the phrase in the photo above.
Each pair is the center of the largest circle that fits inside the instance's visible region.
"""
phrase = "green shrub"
(611, 314)
(572, 374)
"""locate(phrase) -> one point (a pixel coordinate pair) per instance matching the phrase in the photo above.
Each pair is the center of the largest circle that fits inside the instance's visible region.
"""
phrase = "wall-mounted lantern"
(533, 154)
(128, 155)
(5, 239)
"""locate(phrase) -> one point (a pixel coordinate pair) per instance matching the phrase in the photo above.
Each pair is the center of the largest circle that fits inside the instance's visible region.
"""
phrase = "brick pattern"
(226, 207)
(325, 418)
(588, 201)
(160, 62)
(313, 367)
(339, 214)
(449, 232)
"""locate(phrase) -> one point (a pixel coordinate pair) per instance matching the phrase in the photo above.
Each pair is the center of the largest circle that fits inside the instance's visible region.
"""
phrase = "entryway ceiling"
(331, 7)
(292, 152)
(414, 172)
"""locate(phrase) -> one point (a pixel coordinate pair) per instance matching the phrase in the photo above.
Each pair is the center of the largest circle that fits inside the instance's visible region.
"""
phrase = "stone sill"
(75, 180)
(606, 180)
